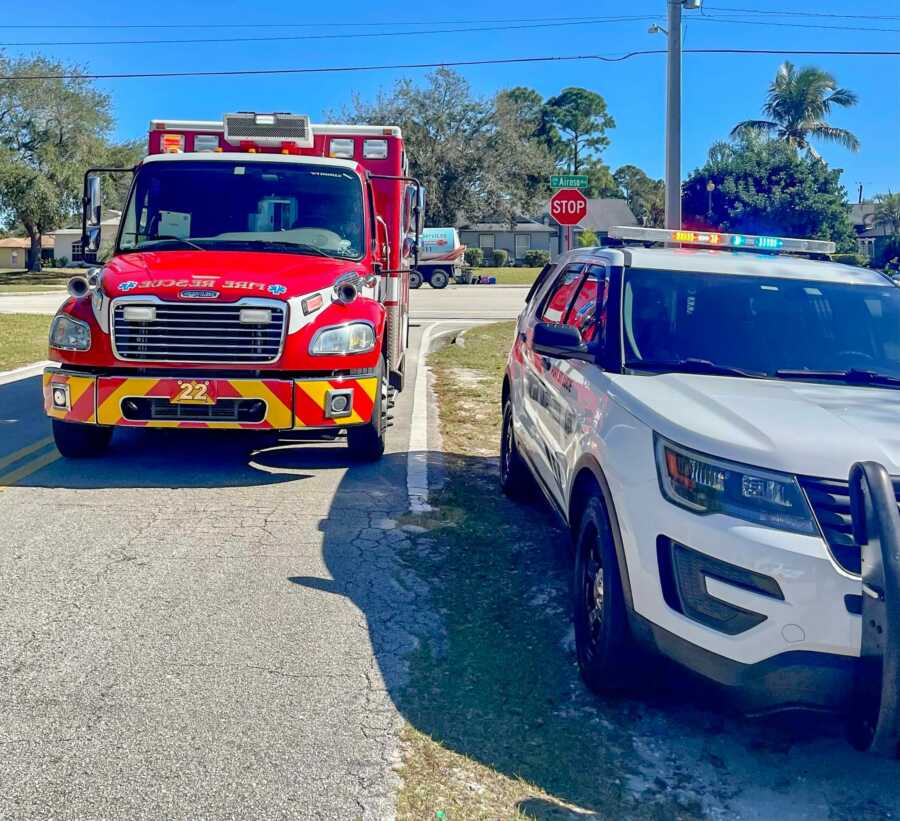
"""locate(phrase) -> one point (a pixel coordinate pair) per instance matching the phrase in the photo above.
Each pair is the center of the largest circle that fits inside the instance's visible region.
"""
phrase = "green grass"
(509, 276)
(23, 339)
(499, 725)
(14, 281)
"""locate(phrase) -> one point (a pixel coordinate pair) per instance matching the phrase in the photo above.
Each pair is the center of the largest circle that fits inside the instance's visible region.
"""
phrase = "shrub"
(587, 239)
(60, 262)
(536, 258)
(499, 257)
(859, 260)
(474, 257)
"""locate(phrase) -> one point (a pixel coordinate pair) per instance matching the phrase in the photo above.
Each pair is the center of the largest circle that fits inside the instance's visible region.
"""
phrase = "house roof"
(522, 226)
(863, 213)
(25, 242)
(110, 222)
(604, 212)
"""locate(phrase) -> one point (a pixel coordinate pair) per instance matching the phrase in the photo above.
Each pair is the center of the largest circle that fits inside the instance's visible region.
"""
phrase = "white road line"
(25, 372)
(417, 453)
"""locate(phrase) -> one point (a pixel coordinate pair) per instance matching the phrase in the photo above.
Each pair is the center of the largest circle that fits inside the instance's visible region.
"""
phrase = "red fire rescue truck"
(259, 280)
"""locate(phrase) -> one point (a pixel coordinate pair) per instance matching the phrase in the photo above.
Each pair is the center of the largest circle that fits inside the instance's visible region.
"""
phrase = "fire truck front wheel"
(366, 442)
(77, 441)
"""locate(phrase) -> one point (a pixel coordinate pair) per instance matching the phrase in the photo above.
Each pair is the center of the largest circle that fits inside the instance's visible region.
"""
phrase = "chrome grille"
(283, 127)
(830, 500)
(188, 332)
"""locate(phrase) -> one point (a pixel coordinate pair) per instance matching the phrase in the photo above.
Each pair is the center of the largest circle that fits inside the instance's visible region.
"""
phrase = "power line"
(783, 13)
(336, 36)
(448, 64)
(770, 23)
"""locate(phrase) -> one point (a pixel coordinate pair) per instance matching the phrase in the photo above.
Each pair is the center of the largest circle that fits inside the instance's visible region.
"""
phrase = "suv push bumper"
(190, 402)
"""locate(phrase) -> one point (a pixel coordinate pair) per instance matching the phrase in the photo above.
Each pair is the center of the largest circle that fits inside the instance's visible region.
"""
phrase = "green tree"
(575, 126)
(50, 131)
(887, 211)
(601, 182)
(798, 104)
(475, 157)
(768, 187)
(646, 197)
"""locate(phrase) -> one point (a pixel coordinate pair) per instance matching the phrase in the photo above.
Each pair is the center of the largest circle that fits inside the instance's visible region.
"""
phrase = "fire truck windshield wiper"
(690, 365)
(853, 376)
(165, 238)
(298, 247)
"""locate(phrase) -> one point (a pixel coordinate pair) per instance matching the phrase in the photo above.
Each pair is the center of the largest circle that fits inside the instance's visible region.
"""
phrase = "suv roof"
(737, 263)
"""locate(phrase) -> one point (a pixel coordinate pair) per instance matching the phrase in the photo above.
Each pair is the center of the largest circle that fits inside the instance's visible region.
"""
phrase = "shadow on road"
(196, 459)
(479, 602)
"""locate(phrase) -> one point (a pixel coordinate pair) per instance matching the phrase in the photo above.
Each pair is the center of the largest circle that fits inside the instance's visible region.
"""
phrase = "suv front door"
(558, 392)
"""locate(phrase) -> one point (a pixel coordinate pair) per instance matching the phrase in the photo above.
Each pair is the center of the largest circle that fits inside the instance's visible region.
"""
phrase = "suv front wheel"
(606, 653)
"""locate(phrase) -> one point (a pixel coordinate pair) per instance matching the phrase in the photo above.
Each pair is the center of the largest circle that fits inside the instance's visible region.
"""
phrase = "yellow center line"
(23, 452)
(8, 479)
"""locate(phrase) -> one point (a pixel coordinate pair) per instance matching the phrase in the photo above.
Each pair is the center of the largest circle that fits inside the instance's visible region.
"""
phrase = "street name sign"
(568, 181)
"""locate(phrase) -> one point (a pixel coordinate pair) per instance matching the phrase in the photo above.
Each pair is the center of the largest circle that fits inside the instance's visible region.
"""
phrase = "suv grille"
(830, 500)
(198, 333)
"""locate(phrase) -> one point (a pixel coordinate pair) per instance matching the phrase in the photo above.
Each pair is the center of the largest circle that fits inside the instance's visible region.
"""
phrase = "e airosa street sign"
(568, 181)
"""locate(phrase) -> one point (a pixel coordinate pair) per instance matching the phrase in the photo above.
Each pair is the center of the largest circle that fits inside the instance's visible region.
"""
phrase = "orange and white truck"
(259, 280)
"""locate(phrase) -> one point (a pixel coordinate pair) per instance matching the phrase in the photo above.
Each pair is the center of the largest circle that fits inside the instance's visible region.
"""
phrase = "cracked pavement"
(191, 629)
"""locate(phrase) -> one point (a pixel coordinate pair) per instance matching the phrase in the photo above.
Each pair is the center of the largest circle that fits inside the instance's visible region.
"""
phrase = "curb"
(25, 372)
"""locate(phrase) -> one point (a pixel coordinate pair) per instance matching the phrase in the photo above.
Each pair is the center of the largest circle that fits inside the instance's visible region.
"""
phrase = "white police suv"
(693, 414)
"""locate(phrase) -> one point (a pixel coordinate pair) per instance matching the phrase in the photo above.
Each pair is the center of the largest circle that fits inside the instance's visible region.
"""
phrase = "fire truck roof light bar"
(714, 239)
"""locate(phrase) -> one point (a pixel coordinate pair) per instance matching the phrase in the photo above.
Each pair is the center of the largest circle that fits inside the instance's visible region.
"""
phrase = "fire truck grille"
(198, 333)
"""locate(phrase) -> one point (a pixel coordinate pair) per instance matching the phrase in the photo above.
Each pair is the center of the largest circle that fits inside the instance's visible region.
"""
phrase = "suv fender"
(589, 474)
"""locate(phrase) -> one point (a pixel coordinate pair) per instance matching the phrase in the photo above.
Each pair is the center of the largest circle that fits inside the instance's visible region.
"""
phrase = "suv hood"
(231, 275)
(806, 428)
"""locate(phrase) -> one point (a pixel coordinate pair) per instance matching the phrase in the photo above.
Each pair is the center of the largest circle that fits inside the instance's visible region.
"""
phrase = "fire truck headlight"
(341, 340)
(68, 334)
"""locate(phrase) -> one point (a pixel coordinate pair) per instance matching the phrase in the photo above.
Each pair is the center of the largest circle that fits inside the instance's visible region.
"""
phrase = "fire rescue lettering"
(202, 283)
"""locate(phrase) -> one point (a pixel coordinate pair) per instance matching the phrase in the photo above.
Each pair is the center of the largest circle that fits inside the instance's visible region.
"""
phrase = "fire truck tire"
(366, 442)
(415, 279)
(77, 441)
(439, 279)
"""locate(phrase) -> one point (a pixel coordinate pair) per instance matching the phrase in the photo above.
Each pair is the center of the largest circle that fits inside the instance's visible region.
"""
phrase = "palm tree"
(797, 105)
(887, 211)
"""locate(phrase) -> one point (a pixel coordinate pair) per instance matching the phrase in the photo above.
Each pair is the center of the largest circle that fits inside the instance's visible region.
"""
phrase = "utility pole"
(673, 117)
(673, 111)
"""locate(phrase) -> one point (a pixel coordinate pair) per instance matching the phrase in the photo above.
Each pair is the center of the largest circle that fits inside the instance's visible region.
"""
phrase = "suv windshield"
(281, 207)
(760, 326)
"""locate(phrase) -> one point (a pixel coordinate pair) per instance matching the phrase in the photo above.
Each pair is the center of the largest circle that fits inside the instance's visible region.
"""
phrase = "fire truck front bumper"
(191, 402)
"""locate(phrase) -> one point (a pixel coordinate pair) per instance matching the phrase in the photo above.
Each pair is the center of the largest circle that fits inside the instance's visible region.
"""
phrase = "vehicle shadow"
(468, 611)
(195, 459)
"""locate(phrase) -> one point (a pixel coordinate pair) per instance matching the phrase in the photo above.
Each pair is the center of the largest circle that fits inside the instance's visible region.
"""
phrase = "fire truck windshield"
(255, 206)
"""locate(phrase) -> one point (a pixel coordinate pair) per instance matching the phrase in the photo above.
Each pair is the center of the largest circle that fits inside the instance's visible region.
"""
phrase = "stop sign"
(568, 206)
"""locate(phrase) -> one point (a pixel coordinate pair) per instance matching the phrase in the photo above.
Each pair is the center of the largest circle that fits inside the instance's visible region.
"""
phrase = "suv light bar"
(713, 239)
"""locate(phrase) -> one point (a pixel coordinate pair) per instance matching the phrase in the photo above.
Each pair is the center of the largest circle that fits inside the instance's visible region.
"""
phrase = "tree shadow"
(468, 612)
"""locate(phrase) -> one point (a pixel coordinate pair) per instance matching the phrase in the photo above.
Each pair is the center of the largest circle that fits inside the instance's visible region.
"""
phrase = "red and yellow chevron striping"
(310, 398)
(289, 403)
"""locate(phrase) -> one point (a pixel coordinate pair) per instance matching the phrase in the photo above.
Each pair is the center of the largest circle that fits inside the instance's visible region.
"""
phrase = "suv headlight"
(354, 337)
(69, 334)
(705, 485)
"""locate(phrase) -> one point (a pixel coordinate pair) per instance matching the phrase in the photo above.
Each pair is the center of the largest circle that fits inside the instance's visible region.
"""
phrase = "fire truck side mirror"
(93, 201)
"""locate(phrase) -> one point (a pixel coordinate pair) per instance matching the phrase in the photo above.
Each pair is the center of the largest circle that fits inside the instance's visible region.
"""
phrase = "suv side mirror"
(559, 341)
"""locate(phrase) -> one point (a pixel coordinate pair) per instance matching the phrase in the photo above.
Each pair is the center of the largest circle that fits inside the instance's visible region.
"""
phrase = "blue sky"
(718, 90)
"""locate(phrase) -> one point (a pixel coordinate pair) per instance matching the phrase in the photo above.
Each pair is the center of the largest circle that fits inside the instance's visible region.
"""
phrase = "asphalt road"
(199, 625)
(454, 302)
